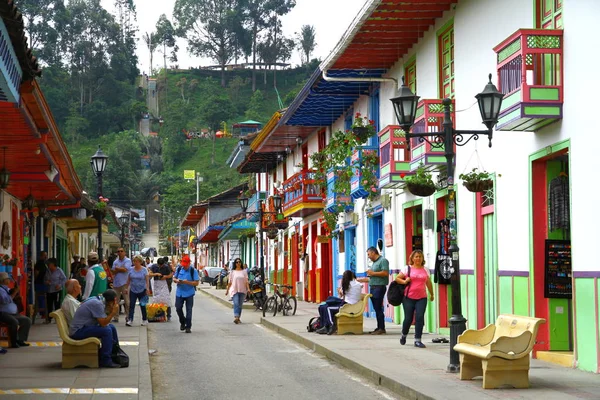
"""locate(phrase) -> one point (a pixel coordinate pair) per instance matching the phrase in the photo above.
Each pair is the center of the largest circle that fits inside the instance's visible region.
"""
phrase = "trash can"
(300, 291)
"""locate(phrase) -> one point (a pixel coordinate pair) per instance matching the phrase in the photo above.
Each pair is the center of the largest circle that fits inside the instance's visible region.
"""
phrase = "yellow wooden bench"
(499, 352)
(350, 317)
(76, 352)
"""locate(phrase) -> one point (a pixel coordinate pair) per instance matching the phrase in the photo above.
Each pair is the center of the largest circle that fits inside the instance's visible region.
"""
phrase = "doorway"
(487, 259)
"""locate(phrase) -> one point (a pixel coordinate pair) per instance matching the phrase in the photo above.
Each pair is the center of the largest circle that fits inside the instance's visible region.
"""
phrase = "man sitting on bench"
(18, 325)
(70, 303)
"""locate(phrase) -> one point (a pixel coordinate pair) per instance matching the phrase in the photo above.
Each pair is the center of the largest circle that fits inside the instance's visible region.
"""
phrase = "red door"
(313, 263)
(326, 270)
(305, 250)
(294, 260)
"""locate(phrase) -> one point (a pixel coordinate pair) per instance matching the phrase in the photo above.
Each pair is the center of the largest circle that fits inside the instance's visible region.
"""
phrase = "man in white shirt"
(70, 303)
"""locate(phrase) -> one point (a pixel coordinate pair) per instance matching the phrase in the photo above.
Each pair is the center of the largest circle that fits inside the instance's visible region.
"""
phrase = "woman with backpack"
(416, 279)
(239, 285)
(350, 293)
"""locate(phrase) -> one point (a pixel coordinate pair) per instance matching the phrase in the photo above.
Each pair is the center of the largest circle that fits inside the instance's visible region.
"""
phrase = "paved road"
(221, 360)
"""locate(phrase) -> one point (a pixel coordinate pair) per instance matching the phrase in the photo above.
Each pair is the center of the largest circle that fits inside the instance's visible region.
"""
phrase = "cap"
(3, 276)
(92, 255)
(185, 260)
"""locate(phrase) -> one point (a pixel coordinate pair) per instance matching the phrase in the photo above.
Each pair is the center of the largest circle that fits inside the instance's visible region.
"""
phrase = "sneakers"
(419, 344)
(127, 322)
(403, 340)
(236, 320)
(182, 327)
(188, 330)
(144, 322)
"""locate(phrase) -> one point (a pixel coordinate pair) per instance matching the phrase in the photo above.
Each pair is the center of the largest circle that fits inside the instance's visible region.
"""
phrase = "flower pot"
(479, 186)
(418, 189)
(362, 133)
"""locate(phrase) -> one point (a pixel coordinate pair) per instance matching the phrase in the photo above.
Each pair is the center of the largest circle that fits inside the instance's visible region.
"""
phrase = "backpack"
(395, 293)
(191, 274)
(314, 324)
(119, 356)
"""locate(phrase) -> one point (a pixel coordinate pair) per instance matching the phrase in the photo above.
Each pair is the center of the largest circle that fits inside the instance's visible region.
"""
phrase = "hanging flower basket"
(362, 133)
(419, 189)
(272, 234)
(479, 185)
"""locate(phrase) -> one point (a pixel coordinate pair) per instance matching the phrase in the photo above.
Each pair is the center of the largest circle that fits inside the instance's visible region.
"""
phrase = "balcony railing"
(429, 118)
(394, 159)
(302, 196)
(333, 199)
(253, 205)
(357, 190)
(530, 74)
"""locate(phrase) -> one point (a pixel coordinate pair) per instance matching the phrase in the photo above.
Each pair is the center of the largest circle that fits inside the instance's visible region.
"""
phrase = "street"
(221, 360)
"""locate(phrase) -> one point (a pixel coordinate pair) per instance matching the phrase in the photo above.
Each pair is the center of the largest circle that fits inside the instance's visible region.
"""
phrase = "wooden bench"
(76, 352)
(499, 352)
(350, 317)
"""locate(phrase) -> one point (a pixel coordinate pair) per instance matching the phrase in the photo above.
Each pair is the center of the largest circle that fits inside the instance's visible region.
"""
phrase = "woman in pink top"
(238, 283)
(415, 295)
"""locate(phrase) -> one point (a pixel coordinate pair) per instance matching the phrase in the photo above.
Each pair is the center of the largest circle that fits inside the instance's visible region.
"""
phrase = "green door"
(490, 262)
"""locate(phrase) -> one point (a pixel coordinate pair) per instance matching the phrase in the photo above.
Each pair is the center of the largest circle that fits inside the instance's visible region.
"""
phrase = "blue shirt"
(184, 290)
(138, 280)
(87, 314)
(54, 279)
(120, 278)
(7, 304)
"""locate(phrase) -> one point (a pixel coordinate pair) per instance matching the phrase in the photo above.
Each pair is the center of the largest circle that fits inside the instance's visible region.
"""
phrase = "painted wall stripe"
(586, 274)
(71, 391)
(513, 273)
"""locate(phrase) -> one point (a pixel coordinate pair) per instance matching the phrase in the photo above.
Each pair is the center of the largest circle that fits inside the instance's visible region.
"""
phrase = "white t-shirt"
(354, 293)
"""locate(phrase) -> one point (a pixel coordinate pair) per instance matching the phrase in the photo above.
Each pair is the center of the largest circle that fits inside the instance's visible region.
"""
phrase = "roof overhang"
(194, 214)
(237, 229)
(211, 234)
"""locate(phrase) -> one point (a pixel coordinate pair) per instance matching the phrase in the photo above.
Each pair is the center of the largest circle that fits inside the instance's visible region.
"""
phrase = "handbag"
(119, 356)
(144, 301)
(395, 293)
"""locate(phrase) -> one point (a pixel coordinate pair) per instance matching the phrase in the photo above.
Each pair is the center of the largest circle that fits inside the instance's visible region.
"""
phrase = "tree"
(165, 32)
(255, 106)
(214, 110)
(152, 41)
(274, 47)
(306, 42)
(210, 28)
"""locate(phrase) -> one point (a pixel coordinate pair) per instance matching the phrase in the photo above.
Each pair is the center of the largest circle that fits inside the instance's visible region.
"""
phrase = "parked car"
(149, 252)
(210, 274)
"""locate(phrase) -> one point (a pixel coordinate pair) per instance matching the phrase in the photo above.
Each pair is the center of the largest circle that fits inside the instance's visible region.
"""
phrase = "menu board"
(557, 278)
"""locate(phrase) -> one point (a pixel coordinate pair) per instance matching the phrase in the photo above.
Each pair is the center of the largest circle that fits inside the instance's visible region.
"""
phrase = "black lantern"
(405, 107)
(277, 203)
(490, 101)
(98, 162)
(4, 173)
(244, 203)
(29, 203)
(123, 219)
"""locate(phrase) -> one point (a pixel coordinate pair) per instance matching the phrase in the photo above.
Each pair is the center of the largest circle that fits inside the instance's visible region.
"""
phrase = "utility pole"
(198, 180)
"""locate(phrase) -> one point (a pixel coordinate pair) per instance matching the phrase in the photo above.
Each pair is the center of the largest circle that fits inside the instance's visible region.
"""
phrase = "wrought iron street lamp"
(261, 213)
(405, 107)
(98, 163)
(124, 222)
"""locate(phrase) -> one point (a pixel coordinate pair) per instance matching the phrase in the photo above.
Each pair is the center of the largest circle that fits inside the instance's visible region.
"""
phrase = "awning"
(211, 234)
(237, 229)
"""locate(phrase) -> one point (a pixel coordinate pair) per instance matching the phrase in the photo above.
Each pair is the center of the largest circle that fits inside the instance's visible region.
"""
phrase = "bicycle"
(281, 301)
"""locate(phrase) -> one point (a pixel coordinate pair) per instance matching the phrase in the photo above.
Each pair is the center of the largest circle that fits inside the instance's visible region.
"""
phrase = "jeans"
(120, 291)
(18, 326)
(378, 293)
(238, 301)
(133, 297)
(328, 309)
(53, 303)
(107, 335)
(412, 307)
(189, 303)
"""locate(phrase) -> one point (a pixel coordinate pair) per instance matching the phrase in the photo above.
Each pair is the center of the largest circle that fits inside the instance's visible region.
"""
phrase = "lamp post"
(405, 107)
(261, 214)
(98, 163)
(123, 220)
(198, 180)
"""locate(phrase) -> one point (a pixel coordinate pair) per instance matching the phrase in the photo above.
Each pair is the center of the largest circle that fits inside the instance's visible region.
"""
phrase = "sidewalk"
(421, 373)
(37, 368)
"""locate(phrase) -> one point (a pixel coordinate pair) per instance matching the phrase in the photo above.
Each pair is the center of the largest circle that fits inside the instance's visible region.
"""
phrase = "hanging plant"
(362, 128)
(476, 181)
(421, 183)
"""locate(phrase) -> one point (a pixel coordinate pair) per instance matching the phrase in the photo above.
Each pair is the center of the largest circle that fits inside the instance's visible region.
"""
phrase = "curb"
(225, 302)
(145, 376)
(369, 374)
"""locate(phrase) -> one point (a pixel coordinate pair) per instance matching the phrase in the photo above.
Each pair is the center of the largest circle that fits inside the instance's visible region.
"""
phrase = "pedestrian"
(120, 268)
(239, 285)
(415, 295)
(96, 279)
(350, 292)
(39, 281)
(55, 281)
(186, 278)
(378, 280)
(109, 276)
(70, 304)
(138, 289)
(161, 273)
(92, 319)
(18, 325)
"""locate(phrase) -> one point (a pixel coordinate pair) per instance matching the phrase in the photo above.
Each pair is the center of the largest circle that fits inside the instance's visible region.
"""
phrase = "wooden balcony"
(394, 159)
(253, 205)
(333, 199)
(530, 74)
(357, 191)
(429, 118)
(271, 218)
(301, 196)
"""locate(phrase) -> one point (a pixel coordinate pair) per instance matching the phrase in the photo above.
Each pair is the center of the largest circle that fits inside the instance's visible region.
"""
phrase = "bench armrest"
(479, 337)
(354, 310)
(516, 345)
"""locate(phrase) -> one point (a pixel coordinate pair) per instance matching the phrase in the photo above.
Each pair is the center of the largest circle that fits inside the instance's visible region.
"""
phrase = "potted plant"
(421, 183)
(363, 128)
(272, 233)
(477, 181)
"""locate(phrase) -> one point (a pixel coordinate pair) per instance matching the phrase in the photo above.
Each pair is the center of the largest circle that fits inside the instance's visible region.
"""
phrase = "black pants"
(328, 310)
(52, 303)
(18, 327)
(414, 308)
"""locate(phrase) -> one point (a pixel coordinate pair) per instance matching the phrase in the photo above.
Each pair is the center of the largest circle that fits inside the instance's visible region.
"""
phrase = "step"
(562, 358)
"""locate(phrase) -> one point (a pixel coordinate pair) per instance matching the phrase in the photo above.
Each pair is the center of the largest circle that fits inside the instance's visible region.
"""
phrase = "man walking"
(120, 268)
(96, 279)
(186, 279)
(18, 325)
(55, 281)
(70, 304)
(378, 280)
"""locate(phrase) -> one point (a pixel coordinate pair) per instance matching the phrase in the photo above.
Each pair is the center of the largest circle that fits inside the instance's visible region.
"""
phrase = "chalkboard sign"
(557, 278)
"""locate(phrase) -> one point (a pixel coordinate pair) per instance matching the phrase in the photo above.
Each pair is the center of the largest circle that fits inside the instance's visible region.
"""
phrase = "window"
(446, 61)
(410, 74)
(549, 14)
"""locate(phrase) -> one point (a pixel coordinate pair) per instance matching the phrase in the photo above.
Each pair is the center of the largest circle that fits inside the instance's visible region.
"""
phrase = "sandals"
(440, 340)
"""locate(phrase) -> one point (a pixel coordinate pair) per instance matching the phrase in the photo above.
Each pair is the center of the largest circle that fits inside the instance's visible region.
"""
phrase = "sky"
(330, 18)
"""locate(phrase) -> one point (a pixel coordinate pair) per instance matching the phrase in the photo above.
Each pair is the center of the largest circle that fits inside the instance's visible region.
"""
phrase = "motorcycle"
(257, 289)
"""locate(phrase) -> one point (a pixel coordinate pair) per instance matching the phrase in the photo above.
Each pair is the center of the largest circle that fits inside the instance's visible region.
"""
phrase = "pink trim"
(487, 210)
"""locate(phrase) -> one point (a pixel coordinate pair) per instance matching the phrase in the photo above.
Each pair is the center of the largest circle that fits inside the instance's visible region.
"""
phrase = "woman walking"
(238, 283)
(416, 277)
(138, 289)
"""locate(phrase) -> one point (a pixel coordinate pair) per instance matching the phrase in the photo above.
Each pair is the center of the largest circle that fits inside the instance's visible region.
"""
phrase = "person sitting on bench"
(350, 292)
(18, 325)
